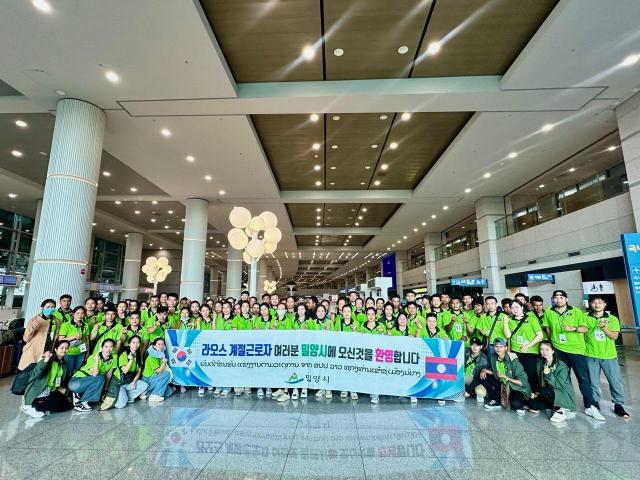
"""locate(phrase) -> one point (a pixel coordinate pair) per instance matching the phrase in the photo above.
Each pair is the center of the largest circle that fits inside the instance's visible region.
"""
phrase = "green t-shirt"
(259, 323)
(205, 325)
(491, 323)
(284, 324)
(141, 332)
(458, 326)
(351, 327)
(501, 368)
(157, 332)
(56, 374)
(439, 333)
(444, 317)
(173, 320)
(378, 329)
(396, 332)
(597, 344)
(105, 332)
(147, 317)
(151, 364)
(359, 316)
(569, 342)
(70, 329)
(63, 316)
(103, 366)
(540, 320)
(525, 334)
(123, 359)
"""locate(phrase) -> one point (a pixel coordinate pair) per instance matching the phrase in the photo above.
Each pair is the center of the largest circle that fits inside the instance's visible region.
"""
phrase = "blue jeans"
(73, 362)
(89, 388)
(611, 370)
(159, 384)
(128, 393)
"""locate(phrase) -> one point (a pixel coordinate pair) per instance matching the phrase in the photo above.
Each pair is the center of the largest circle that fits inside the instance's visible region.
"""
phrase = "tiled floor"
(189, 437)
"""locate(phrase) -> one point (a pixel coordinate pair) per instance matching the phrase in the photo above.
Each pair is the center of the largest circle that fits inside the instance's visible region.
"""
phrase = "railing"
(457, 245)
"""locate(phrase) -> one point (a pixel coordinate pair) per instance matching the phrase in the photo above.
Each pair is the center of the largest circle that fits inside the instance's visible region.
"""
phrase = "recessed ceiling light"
(44, 154)
(21, 123)
(318, 217)
(445, 207)
(133, 189)
(403, 49)
(170, 212)
(221, 192)
(16, 153)
(357, 224)
(487, 175)
(153, 220)
(112, 230)
(12, 195)
(165, 132)
(383, 117)
(547, 127)
(308, 52)
(333, 168)
(434, 216)
(189, 158)
(318, 183)
(612, 148)
(316, 168)
(112, 76)
(334, 147)
(42, 5)
(332, 183)
(360, 217)
(512, 155)
(62, 93)
(572, 169)
(137, 212)
(384, 166)
(362, 183)
(208, 178)
(364, 209)
(376, 183)
(318, 209)
(405, 116)
(316, 146)
(117, 202)
(106, 174)
(541, 185)
(467, 190)
(433, 48)
(336, 117)
(338, 52)
(154, 202)
(94, 224)
(393, 145)
(424, 224)
(166, 227)
(630, 60)
(317, 224)
(314, 117)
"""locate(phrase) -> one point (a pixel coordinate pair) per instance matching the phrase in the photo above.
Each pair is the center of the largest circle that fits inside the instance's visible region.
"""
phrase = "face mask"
(48, 311)
(184, 319)
(281, 313)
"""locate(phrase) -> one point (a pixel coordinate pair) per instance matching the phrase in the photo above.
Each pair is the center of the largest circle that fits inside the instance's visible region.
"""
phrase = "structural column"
(402, 258)
(131, 269)
(61, 255)
(223, 282)
(194, 247)
(32, 253)
(488, 211)
(213, 281)
(262, 276)
(431, 242)
(234, 273)
(628, 115)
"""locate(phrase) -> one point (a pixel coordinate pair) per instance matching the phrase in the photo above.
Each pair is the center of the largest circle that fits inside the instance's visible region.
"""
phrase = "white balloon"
(248, 232)
(149, 279)
(163, 261)
(270, 247)
(167, 269)
(151, 261)
(257, 224)
(246, 257)
(273, 234)
(270, 219)
(255, 248)
(161, 277)
(148, 269)
(240, 217)
(237, 238)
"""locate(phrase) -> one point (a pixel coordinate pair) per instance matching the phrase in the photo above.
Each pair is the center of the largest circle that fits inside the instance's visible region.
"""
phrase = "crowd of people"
(519, 355)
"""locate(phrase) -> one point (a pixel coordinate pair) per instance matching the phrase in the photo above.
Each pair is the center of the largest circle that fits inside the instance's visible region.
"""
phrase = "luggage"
(21, 380)
(7, 338)
(18, 354)
(6, 360)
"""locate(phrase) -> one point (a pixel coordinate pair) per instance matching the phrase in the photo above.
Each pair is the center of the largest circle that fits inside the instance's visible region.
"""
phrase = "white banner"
(364, 363)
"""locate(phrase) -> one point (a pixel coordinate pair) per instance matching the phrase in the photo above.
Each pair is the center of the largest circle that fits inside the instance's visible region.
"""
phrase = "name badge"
(599, 334)
(83, 347)
(458, 328)
(521, 340)
(58, 381)
(562, 338)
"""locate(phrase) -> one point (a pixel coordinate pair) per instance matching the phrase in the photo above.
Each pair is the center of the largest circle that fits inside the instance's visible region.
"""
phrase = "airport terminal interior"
(396, 151)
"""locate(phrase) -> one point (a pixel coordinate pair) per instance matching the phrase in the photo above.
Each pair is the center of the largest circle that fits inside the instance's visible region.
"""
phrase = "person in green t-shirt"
(416, 321)
(490, 324)
(156, 372)
(159, 325)
(566, 327)
(110, 328)
(439, 309)
(121, 313)
(432, 330)
(457, 328)
(205, 322)
(358, 312)
(88, 382)
(63, 313)
(537, 312)
(402, 328)
(475, 360)
(77, 334)
(372, 325)
(125, 385)
(601, 352)
(149, 313)
(134, 328)
(388, 318)
(523, 334)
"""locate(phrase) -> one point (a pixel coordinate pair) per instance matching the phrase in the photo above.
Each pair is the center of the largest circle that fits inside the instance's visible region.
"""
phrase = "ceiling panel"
(151, 217)
(263, 41)
(370, 32)
(479, 37)
(7, 90)
(340, 214)
(332, 240)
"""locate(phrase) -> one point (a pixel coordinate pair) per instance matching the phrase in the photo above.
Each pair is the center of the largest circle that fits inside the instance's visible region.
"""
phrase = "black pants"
(493, 386)
(55, 402)
(544, 401)
(471, 388)
(529, 361)
(578, 363)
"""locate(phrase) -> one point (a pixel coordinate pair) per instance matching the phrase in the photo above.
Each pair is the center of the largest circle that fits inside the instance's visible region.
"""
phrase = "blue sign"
(10, 280)
(540, 277)
(631, 254)
(389, 268)
(470, 282)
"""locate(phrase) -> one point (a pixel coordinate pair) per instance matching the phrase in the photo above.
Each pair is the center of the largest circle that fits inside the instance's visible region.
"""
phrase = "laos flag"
(441, 368)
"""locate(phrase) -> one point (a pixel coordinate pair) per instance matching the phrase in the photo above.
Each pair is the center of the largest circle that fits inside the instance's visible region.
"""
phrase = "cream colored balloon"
(167, 269)
(270, 247)
(248, 232)
(161, 277)
(257, 224)
(149, 279)
(255, 248)
(273, 235)
(270, 219)
(163, 261)
(147, 269)
(151, 261)
(246, 257)
(237, 238)
(240, 217)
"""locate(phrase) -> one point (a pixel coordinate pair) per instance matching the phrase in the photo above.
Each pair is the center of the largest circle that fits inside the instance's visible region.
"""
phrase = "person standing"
(523, 334)
(76, 333)
(40, 335)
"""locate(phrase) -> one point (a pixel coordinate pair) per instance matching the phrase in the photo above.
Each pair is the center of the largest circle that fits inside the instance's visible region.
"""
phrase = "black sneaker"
(492, 405)
(75, 398)
(620, 411)
(83, 407)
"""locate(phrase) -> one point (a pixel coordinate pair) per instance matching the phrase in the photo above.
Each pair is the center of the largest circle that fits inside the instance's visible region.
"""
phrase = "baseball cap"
(500, 341)
(476, 341)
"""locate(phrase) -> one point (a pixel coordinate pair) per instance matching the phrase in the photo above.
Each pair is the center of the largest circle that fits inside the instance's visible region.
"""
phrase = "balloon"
(151, 261)
(248, 232)
(147, 269)
(237, 238)
(269, 218)
(257, 223)
(270, 247)
(255, 248)
(272, 235)
(240, 217)
(163, 261)
(149, 279)
(246, 257)
(161, 277)
(167, 269)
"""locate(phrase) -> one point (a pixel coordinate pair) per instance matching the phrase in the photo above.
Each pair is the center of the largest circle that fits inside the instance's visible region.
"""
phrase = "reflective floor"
(189, 437)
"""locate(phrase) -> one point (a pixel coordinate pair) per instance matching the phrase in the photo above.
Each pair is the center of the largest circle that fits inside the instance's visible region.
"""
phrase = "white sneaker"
(329, 394)
(156, 398)
(593, 412)
(238, 391)
(144, 396)
(260, 392)
(247, 391)
(83, 407)
(320, 394)
(492, 405)
(294, 395)
(225, 392)
(283, 398)
(375, 399)
(414, 400)
(32, 412)
(217, 391)
(183, 389)
(570, 414)
(441, 402)
(303, 393)
(344, 394)
(558, 416)
(200, 391)
(520, 412)
(479, 399)
(277, 393)
(354, 396)
(210, 389)
(268, 392)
